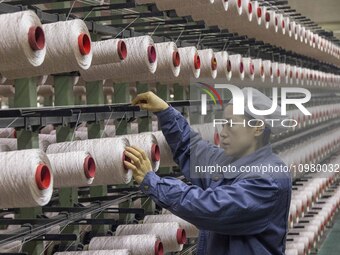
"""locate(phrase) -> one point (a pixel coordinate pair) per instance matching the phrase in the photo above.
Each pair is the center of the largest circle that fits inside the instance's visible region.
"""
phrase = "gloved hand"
(149, 101)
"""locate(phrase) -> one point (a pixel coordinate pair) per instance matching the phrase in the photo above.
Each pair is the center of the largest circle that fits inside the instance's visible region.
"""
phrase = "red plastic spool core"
(36, 38)
(152, 55)
(43, 176)
(197, 62)
(176, 59)
(155, 152)
(213, 64)
(241, 67)
(267, 16)
(89, 167)
(228, 65)
(181, 236)
(159, 250)
(84, 44)
(259, 12)
(250, 8)
(122, 50)
(239, 3)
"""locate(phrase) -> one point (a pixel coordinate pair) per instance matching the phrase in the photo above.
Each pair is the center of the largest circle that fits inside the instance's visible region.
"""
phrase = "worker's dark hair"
(266, 132)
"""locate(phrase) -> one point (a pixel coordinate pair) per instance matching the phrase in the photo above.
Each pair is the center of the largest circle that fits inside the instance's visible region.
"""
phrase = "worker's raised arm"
(188, 148)
(243, 208)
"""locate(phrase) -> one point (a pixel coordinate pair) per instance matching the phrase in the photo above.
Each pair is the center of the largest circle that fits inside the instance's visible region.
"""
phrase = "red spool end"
(251, 68)
(159, 250)
(213, 64)
(259, 12)
(43, 176)
(241, 67)
(14, 134)
(84, 44)
(278, 73)
(262, 70)
(283, 24)
(125, 158)
(36, 38)
(181, 236)
(239, 3)
(229, 66)
(291, 74)
(152, 55)
(122, 50)
(89, 167)
(276, 21)
(267, 16)
(197, 62)
(250, 8)
(271, 71)
(176, 59)
(155, 152)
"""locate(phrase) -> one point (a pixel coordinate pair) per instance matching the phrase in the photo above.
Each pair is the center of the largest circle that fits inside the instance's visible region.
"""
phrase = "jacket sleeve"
(187, 146)
(243, 208)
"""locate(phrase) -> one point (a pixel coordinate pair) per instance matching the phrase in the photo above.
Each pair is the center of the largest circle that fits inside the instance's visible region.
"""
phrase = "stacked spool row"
(249, 18)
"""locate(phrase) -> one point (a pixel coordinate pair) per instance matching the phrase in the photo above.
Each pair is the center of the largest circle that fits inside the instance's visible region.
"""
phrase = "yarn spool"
(72, 169)
(108, 252)
(190, 64)
(166, 154)
(142, 58)
(25, 185)
(12, 143)
(258, 12)
(237, 66)
(249, 68)
(4, 148)
(68, 49)
(80, 135)
(247, 9)
(168, 64)
(47, 129)
(108, 154)
(268, 69)
(172, 235)
(276, 72)
(259, 70)
(190, 230)
(24, 43)
(148, 143)
(109, 51)
(7, 90)
(235, 5)
(8, 133)
(224, 66)
(209, 63)
(136, 244)
(46, 140)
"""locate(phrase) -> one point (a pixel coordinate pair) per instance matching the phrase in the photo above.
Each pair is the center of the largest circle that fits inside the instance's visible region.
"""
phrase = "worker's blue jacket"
(236, 213)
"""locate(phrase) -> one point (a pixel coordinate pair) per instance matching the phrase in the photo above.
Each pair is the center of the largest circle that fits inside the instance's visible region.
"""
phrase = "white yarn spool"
(104, 252)
(46, 140)
(291, 252)
(259, 71)
(72, 169)
(168, 64)
(68, 49)
(147, 142)
(25, 179)
(47, 129)
(8, 133)
(190, 64)
(142, 58)
(24, 43)
(258, 12)
(108, 154)
(136, 244)
(110, 130)
(249, 68)
(235, 5)
(12, 143)
(283, 71)
(7, 90)
(268, 69)
(4, 148)
(276, 72)
(190, 230)
(172, 235)
(247, 7)
(166, 154)
(224, 65)
(208, 63)
(237, 66)
(108, 51)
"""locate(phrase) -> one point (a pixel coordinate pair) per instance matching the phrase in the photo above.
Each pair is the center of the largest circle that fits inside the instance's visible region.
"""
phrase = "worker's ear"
(258, 129)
